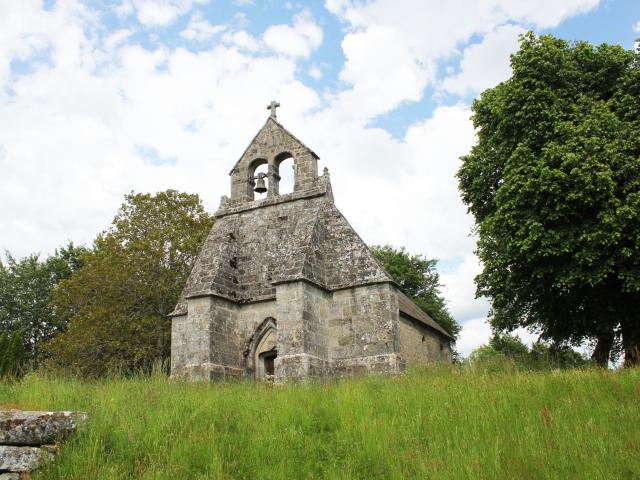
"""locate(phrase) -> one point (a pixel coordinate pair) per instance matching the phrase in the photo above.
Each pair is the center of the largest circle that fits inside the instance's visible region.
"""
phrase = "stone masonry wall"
(212, 341)
(420, 345)
(363, 330)
(29, 439)
(348, 331)
(190, 347)
(204, 343)
(302, 330)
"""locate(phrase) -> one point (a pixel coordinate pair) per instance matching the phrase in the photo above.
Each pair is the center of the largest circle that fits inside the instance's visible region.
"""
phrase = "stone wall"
(205, 343)
(420, 345)
(318, 333)
(364, 330)
(348, 331)
(363, 321)
(302, 330)
(28, 439)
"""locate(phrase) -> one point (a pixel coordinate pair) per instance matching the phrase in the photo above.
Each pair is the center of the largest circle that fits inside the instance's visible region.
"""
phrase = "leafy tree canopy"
(13, 357)
(506, 351)
(554, 185)
(26, 290)
(119, 300)
(418, 279)
(509, 345)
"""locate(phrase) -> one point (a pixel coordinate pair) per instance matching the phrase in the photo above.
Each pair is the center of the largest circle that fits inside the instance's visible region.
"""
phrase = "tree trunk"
(602, 352)
(631, 342)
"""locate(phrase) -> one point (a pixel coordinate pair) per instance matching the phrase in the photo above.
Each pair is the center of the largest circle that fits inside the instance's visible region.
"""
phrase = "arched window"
(286, 169)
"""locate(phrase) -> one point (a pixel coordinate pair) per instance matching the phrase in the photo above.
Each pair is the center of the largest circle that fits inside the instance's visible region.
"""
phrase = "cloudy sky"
(101, 98)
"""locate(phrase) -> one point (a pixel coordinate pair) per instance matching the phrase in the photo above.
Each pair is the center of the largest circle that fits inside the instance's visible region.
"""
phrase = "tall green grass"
(431, 423)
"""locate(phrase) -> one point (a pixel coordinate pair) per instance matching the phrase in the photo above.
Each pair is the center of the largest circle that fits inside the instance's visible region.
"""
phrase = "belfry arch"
(252, 170)
(277, 147)
(285, 168)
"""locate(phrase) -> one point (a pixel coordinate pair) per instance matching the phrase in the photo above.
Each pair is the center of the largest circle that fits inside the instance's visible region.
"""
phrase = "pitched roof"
(409, 308)
(247, 253)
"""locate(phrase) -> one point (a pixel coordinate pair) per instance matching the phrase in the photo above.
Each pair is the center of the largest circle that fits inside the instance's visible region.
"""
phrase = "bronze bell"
(260, 186)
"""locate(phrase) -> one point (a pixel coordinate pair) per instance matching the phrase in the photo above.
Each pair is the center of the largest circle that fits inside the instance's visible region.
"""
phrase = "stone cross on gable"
(272, 106)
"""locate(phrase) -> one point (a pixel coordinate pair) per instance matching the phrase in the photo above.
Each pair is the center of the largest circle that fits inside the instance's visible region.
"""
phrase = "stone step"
(10, 476)
(24, 428)
(22, 459)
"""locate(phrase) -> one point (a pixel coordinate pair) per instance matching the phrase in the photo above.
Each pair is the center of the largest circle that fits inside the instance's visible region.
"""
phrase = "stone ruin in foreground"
(285, 288)
(30, 439)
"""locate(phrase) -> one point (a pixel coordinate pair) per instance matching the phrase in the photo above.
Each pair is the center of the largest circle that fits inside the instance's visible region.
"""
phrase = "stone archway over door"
(261, 350)
(266, 354)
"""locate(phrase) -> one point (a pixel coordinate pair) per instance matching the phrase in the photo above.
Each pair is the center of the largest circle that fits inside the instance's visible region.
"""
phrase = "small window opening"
(423, 339)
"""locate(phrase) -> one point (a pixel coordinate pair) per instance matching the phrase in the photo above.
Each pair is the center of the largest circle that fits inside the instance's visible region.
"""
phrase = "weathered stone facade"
(285, 287)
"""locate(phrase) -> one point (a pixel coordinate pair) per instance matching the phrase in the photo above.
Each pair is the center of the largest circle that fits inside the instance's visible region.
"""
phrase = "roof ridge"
(418, 313)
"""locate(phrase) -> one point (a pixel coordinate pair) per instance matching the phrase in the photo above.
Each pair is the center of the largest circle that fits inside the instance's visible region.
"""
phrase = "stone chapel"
(285, 288)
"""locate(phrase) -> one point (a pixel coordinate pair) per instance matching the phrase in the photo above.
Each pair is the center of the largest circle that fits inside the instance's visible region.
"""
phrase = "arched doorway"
(265, 354)
(262, 351)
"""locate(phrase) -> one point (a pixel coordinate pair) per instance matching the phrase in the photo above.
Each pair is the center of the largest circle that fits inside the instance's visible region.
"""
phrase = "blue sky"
(608, 22)
(101, 98)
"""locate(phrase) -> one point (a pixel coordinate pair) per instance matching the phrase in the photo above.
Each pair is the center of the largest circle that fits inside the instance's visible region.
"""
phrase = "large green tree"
(13, 358)
(26, 291)
(554, 185)
(418, 279)
(119, 300)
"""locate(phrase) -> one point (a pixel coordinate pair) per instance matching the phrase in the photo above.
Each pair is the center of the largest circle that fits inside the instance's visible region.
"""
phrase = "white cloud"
(242, 40)
(381, 72)
(298, 40)
(71, 135)
(116, 38)
(241, 20)
(460, 289)
(160, 13)
(26, 30)
(243, 3)
(315, 72)
(124, 9)
(476, 332)
(200, 29)
(485, 64)
(391, 46)
(636, 27)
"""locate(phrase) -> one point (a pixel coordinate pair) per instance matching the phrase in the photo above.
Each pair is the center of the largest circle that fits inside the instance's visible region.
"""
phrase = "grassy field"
(432, 423)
